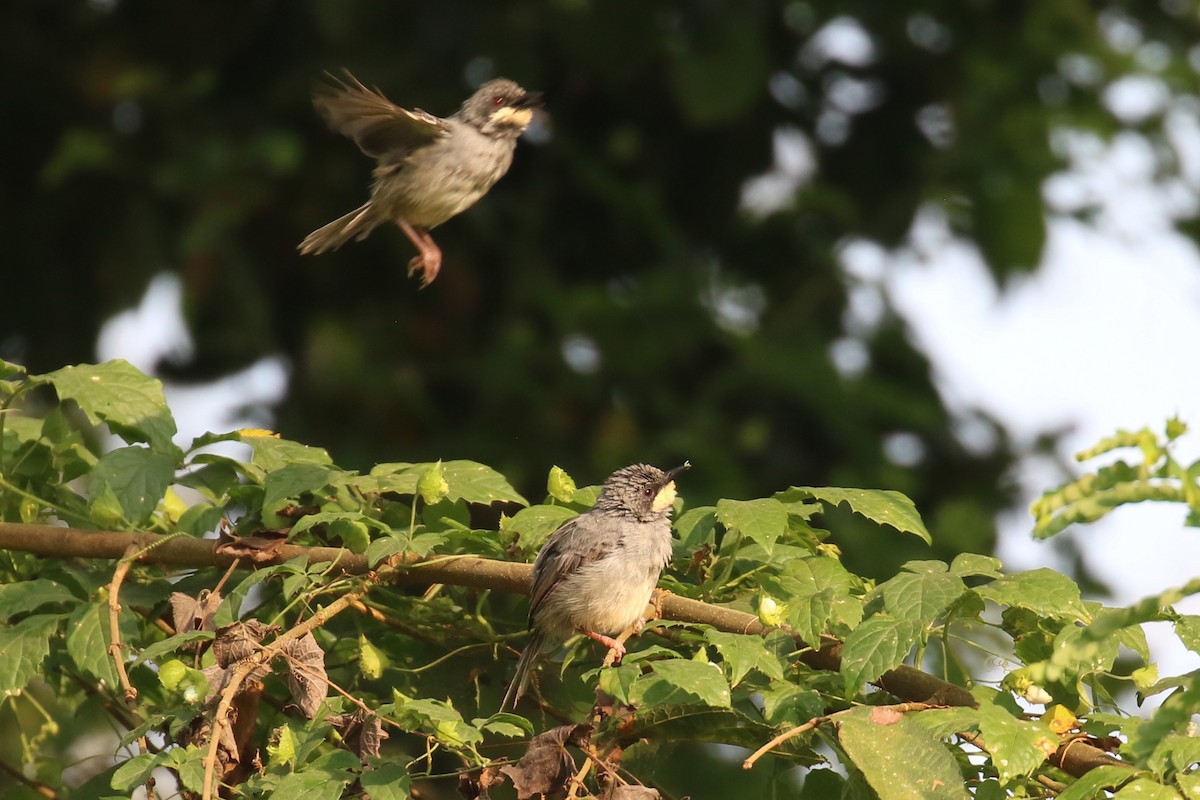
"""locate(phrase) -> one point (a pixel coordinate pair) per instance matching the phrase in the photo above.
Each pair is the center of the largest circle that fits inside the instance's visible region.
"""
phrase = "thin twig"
(577, 780)
(114, 625)
(36, 785)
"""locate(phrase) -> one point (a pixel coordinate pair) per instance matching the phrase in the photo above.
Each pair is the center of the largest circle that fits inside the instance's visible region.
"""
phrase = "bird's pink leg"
(612, 644)
(429, 255)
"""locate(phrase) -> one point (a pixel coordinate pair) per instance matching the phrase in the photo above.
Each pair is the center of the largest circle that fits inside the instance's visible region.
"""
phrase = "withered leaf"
(472, 788)
(362, 733)
(631, 792)
(194, 613)
(239, 640)
(306, 677)
(546, 765)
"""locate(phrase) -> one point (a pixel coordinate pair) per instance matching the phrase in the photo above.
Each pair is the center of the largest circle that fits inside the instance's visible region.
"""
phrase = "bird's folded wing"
(568, 549)
(378, 126)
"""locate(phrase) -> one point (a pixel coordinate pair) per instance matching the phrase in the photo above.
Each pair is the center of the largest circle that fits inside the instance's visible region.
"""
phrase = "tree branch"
(905, 682)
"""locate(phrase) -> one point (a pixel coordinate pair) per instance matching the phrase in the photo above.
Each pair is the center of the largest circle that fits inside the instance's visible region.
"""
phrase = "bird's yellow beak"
(664, 499)
(517, 117)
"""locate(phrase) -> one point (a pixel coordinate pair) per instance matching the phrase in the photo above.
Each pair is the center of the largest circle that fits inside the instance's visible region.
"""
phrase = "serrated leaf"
(1145, 789)
(942, 723)
(137, 477)
(87, 642)
(467, 480)
(743, 653)
(284, 486)
(23, 648)
(921, 597)
(874, 647)
(121, 395)
(762, 521)
(966, 564)
(387, 782)
(618, 681)
(534, 524)
(560, 485)
(900, 760)
(17, 598)
(170, 645)
(787, 704)
(503, 724)
(1018, 747)
(679, 681)
(134, 771)
(270, 454)
(882, 506)
(439, 719)
(311, 785)
(1043, 591)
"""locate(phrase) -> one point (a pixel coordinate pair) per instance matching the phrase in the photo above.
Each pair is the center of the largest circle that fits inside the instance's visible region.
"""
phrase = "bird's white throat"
(664, 499)
(519, 117)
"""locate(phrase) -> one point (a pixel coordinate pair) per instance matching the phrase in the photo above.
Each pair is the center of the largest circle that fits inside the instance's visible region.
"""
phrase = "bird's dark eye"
(647, 491)
(497, 100)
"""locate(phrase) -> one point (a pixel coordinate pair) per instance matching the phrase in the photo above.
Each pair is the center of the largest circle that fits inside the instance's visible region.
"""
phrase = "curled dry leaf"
(194, 613)
(362, 733)
(240, 640)
(306, 677)
(546, 766)
(479, 788)
(631, 792)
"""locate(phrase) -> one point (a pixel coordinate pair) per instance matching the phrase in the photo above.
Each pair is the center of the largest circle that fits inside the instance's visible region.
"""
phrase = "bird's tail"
(355, 225)
(520, 680)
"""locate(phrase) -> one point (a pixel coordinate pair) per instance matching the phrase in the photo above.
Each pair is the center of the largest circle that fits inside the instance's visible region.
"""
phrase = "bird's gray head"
(500, 108)
(641, 491)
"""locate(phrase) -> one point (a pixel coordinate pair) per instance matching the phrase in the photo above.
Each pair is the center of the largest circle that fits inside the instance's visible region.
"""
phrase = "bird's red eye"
(647, 491)
(497, 100)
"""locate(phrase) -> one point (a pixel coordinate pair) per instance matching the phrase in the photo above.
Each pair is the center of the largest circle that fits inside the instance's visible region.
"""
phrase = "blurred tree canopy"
(613, 299)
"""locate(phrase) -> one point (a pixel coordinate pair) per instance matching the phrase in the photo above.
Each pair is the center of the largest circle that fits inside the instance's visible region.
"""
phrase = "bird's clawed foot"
(616, 648)
(429, 256)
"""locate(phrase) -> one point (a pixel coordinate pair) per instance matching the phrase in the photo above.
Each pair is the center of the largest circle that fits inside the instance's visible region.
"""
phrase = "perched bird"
(429, 169)
(595, 574)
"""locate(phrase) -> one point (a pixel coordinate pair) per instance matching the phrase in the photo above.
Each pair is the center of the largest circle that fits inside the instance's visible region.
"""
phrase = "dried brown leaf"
(362, 733)
(631, 792)
(239, 640)
(194, 613)
(306, 677)
(546, 766)
(473, 788)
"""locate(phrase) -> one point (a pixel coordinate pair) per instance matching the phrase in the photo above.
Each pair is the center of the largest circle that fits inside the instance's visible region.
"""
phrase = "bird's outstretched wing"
(378, 126)
(567, 550)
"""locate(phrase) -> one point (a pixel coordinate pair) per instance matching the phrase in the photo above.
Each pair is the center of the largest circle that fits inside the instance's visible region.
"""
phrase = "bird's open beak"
(666, 495)
(529, 100)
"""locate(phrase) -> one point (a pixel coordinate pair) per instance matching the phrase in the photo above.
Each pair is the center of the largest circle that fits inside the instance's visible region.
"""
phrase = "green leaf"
(899, 759)
(432, 486)
(692, 723)
(882, 506)
(1043, 591)
(560, 486)
(17, 598)
(532, 525)
(966, 564)
(284, 486)
(270, 453)
(921, 597)
(137, 477)
(696, 527)
(762, 521)
(134, 771)
(467, 480)
(387, 782)
(1018, 747)
(119, 394)
(170, 645)
(679, 681)
(23, 648)
(942, 723)
(1145, 789)
(874, 647)
(311, 785)
(787, 704)
(88, 641)
(502, 724)
(618, 681)
(743, 653)
(439, 719)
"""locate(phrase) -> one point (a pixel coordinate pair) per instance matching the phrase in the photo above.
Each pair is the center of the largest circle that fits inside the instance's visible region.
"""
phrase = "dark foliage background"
(179, 136)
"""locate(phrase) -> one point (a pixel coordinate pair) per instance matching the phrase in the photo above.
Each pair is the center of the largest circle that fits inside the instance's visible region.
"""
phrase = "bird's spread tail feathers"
(355, 225)
(525, 665)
